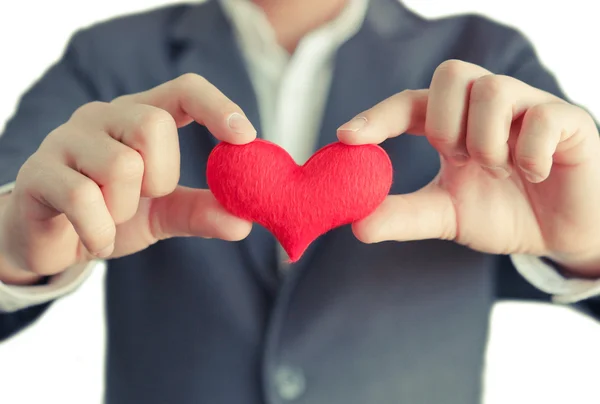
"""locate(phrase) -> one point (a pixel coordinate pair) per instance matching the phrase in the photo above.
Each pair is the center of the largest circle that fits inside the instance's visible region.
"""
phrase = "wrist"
(10, 275)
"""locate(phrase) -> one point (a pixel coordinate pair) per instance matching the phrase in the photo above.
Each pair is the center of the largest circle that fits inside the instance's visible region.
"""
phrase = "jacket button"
(290, 383)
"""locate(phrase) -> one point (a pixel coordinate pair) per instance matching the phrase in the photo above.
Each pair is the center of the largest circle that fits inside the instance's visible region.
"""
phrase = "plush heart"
(260, 182)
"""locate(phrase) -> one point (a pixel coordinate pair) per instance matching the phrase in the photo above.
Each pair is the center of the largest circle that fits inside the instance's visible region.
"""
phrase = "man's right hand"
(104, 184)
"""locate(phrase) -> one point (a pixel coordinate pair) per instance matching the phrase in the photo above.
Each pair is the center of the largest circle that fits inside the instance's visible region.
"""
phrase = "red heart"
(260, 182)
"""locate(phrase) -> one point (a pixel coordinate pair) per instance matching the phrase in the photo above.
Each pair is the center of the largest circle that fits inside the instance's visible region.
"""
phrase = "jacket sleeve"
(49, 103)
(522, 62)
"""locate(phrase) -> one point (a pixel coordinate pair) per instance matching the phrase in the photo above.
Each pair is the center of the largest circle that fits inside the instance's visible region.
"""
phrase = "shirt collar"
(197, 24)
(255, 34)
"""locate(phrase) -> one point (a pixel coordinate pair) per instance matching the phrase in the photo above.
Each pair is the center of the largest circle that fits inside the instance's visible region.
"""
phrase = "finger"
(448, 108)
(544, 128)
(495, 102)
(403, 112)
(115, 167)
(80, 199)
(195, 212)
(425, 214)
(192, 98)
(148, 131)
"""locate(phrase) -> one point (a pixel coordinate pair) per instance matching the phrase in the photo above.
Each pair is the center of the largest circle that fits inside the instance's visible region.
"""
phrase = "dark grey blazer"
(206, 321)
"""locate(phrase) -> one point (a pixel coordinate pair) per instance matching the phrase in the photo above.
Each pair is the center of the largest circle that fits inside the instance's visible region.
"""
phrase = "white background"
(537, 353)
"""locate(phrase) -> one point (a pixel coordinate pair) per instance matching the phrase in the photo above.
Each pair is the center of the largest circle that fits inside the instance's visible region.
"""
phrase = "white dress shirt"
(291, 92)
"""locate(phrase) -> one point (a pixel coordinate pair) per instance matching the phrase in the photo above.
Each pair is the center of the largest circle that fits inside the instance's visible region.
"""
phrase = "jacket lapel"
(205, 44)
(368, 68)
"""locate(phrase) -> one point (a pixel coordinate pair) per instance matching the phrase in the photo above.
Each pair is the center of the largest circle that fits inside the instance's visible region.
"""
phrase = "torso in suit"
(208, 321)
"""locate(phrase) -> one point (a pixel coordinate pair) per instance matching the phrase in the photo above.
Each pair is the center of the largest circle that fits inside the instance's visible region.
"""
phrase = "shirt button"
(290, 383)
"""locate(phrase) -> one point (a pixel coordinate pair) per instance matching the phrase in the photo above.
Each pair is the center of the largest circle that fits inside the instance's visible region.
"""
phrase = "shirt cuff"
(17, 297)
(549, 280)
(6, 188)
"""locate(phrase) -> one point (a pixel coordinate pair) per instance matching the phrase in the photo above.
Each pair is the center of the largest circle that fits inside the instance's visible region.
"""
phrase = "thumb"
(195, 212)
(425, 214)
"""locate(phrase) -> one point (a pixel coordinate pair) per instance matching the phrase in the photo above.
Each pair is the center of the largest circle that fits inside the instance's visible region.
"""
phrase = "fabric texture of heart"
(261, 183)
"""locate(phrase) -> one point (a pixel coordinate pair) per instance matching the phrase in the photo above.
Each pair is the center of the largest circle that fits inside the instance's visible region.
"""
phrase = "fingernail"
(497, 172)
(240, 124)
(106, 252)
(354, 125)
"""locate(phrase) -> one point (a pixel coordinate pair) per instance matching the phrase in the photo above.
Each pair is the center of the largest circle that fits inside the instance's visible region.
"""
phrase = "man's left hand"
(520, 168)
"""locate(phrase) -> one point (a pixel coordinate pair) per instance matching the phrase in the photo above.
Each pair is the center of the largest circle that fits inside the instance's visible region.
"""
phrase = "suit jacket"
(194, 321)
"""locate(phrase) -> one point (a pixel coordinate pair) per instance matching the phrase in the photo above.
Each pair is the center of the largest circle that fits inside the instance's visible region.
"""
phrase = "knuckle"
(191, 80)
(55, 138)
(581, 112)
(84, 193)
(490, 88)
(587, 120)
(122, 99)
(30, 166)
(90, 108)
(409, 93)
(149, 125)
(31, 172)
(152, 117)
(451, 69)
(150, 122)
(540, 115)
(126, 165)
(56, 144)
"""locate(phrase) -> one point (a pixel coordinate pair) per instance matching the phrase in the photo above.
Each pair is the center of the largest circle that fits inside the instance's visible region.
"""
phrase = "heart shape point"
(261, 183)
